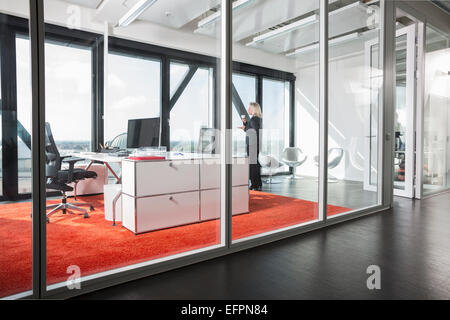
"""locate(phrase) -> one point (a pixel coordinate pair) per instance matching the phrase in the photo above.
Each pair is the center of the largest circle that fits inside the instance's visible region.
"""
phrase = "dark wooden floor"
(410, 243)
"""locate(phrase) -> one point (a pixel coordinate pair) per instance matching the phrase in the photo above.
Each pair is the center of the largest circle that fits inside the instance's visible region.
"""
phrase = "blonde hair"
(257, 112)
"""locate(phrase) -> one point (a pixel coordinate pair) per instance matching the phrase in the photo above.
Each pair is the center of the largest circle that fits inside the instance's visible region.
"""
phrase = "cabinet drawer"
(210, 174)
(240, 200)
(167, 211)
(240, 172)
(165, 177)
(210, 205)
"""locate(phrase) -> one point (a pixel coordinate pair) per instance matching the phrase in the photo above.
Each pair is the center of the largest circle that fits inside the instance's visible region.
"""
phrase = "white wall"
(347, 118)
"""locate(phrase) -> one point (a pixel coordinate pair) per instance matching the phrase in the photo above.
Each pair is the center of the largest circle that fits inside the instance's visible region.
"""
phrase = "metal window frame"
(37, 34)
(16, 26)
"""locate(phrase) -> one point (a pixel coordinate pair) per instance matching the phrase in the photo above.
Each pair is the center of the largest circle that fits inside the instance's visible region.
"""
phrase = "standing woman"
(252, 128)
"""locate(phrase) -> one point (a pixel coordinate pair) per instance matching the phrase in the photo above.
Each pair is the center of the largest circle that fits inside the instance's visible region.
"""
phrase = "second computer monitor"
(143, 133)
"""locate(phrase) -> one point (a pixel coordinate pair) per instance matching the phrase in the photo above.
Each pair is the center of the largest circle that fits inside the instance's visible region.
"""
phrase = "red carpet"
(95, 246)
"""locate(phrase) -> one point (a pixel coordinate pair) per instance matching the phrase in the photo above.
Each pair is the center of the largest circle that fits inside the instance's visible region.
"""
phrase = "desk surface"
(104, 157)
(101, 157)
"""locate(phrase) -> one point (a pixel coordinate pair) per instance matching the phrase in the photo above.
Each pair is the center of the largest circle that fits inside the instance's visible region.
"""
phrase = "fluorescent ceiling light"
(286, 29)
(216, 16)
(135, 12)
(332, 42)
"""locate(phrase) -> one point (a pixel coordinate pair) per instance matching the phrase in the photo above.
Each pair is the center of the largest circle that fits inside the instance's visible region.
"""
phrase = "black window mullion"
(10, 165)
(98, 94)
(165, 103)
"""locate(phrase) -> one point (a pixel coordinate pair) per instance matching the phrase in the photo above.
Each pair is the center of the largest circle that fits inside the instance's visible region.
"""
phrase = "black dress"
(252, 128)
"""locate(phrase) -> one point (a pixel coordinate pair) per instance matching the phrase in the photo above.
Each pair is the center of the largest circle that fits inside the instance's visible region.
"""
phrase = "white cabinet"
(160, 212)
(161, 177)
(209, 205)
(170, 193)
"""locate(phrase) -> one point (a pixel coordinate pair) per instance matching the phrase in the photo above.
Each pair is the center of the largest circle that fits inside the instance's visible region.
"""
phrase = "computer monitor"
(143, 133)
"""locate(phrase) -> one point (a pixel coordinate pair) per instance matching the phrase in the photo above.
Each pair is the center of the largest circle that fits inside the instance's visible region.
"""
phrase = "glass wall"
(436, 134)
(15, 152)
(134, 92)
(114, 100)
(281, 132)
(276, 102)
(353, 110)
(194, 107)
(127, 81)
(246, 86)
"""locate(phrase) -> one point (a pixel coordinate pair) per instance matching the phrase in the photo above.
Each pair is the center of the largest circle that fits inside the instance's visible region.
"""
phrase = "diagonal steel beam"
(182, 86)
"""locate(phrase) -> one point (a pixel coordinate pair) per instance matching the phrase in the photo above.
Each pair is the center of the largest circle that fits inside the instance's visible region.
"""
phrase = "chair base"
(271, 181)
(294, 177)
(64, 206)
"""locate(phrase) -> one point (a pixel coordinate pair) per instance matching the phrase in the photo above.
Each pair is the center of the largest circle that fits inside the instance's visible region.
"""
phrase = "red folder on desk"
(147, 158)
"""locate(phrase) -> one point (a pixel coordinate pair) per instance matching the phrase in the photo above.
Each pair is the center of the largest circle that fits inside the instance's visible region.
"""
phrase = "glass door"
(404, 157)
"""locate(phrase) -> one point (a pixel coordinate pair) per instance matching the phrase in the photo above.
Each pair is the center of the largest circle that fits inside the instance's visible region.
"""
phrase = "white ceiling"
(93, 4)
(177, 13)
(261, 15)
(170, 13)
(344, 20)
(256, 18)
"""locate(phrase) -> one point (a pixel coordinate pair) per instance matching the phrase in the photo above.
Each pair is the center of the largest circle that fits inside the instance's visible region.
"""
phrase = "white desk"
(180, 190)
(104, 158)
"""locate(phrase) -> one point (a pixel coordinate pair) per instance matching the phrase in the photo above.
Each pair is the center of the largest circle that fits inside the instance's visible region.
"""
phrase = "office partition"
(15, 110)
(329, 131)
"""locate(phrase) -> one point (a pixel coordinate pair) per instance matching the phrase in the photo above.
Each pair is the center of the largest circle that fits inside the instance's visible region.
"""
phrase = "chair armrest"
(71, 161)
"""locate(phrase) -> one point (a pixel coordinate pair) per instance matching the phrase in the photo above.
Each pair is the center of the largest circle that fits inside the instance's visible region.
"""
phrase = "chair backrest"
(268, 161)
(335, 156)
(293, 154)
(120, 141)
(208, 142)
(53, 158)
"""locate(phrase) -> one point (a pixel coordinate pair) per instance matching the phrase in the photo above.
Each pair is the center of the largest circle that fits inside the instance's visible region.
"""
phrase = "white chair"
(293, 158)
(271, 163)
(335, 156)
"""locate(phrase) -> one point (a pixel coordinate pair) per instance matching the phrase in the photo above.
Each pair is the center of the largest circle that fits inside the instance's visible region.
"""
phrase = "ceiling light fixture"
(216, 16)
(135, 12)
(348, 37)
(286, 29)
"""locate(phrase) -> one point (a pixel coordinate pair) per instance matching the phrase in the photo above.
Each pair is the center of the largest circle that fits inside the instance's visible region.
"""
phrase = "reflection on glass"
(281, 47)
(193, 109)
(246, 87)
(108, 211)
(15, 153)
(400, 114)
(436, 157)
(353, 116)
(134, 92)
(276, 104)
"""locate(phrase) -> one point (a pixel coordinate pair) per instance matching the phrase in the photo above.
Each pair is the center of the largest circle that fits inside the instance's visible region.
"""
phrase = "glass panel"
(134, 92)
(436, 157)
(401, 114)
(128, 202)
(246, 88)
(15, 153)
(276, 120)
(278, 48)
(23, 58)
(178, 72)
(353, 97)
(193, 109)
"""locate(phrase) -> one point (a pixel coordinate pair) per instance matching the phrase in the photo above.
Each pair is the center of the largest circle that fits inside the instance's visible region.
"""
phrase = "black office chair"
(58, 179)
